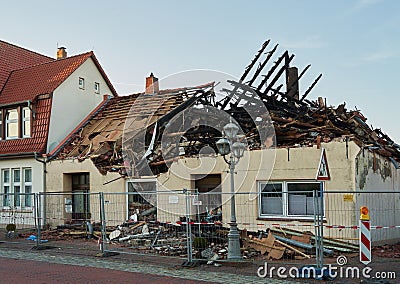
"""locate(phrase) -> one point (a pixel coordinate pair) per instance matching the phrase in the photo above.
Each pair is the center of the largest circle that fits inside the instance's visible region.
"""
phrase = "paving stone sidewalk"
(191, 274)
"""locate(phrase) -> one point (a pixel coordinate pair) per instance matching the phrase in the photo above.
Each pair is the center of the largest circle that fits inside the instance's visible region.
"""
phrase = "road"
(39, 272)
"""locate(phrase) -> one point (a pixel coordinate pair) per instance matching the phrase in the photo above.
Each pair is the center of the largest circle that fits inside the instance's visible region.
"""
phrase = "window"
(288, 199)
(81, 83)
(5, 177)
(26, 122)
(28, 187)
(97, 88)
(12, 124)
(141, 195)
(271, 199)
(16, 185)
(1, 124)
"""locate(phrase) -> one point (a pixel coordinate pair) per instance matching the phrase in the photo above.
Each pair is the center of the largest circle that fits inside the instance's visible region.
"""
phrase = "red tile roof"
(26, 75)
(26, 84)
(13, 57)
(38, 141)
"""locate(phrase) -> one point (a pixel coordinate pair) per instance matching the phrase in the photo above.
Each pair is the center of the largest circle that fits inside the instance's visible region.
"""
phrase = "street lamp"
(230, 144)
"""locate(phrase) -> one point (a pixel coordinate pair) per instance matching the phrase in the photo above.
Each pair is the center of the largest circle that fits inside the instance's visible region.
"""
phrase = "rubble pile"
(390, 251)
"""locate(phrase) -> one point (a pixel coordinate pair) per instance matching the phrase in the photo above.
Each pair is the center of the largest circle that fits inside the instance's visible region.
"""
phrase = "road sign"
(323, 168)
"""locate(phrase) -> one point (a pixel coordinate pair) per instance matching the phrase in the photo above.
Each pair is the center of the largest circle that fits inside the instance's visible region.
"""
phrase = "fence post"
(318, 225)
(38, 218)
(188, 227)
(316, 229)
(103, 224)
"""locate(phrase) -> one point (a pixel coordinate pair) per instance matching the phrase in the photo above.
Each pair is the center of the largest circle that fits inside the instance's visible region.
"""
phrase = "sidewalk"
(129, 264)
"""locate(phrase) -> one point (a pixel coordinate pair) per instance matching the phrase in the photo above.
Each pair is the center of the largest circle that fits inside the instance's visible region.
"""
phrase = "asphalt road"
(18, 271)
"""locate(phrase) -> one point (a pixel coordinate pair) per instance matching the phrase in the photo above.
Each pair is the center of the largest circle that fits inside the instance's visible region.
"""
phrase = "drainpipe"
(44, 162)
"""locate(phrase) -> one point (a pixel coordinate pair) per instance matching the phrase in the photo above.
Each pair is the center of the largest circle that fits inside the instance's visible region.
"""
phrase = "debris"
(209, 255)
(34, 238)
(115, 234)
(293, 249)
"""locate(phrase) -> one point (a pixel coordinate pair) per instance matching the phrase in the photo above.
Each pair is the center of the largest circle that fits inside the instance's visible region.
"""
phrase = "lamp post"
(230, 144)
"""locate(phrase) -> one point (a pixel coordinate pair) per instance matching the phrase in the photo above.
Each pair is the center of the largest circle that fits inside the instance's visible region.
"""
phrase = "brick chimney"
(152, 84)
(292, 82)
(61, 53)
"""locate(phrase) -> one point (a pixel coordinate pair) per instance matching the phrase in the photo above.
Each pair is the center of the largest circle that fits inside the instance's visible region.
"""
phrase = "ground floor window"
(289, 199)
(16, 187)
(142, 199)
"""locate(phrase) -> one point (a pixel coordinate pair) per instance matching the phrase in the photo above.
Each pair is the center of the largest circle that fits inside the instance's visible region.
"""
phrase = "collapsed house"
(149, 141)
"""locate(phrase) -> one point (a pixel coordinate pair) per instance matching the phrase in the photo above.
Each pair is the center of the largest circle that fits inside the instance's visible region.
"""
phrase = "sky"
(355, 44)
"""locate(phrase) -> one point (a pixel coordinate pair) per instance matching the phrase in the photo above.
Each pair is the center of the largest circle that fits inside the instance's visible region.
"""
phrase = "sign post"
(365, 236)
(321, 176)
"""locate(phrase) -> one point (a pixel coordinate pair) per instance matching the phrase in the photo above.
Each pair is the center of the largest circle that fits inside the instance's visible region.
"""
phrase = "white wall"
(23, 217)
(72, 104)
(37, 170)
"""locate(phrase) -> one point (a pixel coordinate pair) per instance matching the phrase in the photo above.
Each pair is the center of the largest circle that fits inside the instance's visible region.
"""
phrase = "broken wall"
(379, 179)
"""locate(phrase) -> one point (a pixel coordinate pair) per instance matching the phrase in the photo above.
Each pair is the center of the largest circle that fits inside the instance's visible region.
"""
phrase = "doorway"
(80, 197)
(208, 207)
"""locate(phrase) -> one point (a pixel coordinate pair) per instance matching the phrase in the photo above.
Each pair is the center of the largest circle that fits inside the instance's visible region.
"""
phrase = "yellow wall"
(59, 182)
(300, 164)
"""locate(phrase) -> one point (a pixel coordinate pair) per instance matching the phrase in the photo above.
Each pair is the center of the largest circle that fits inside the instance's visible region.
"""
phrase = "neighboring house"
(41, 101)
(91, 159)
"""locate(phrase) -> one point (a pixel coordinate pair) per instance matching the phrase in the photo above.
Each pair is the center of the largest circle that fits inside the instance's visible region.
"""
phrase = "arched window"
(12, 124)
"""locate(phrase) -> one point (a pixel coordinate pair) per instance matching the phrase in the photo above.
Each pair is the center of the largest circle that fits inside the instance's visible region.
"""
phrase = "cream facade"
(24, 176)
(74, 188)
(287, 170)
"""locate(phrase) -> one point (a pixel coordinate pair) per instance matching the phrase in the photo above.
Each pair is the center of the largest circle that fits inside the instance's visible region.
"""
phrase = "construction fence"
(272, 224)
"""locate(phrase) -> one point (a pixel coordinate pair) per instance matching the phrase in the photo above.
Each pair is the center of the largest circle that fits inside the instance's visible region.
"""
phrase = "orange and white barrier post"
(365, 236)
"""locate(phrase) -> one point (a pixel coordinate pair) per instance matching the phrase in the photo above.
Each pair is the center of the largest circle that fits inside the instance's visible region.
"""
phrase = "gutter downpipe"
(44, 162)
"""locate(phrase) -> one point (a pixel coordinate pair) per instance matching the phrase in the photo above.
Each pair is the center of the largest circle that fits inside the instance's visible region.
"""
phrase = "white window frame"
(26, 129)
(11, 121)
(16, 184)
(1, 124)
(285, 200)
(81, 83)
(6, 195)
(19, 202)
(97, 87)
(28, 195)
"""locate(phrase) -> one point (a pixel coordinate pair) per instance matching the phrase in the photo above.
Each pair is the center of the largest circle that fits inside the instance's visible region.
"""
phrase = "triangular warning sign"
(323, 168)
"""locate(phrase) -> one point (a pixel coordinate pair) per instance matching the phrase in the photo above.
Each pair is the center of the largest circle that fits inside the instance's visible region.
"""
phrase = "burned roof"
(100, 139)
(289, 120)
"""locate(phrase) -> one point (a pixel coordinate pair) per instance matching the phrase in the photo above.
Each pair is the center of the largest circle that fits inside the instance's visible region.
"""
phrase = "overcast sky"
(355, 44)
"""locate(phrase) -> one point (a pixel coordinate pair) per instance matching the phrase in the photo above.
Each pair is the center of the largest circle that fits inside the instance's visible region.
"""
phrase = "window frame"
(97, 87)
(25, 119)
(285, 200)
(11, 121)
(14, 198)
(7, 195)
(81, 83)
(27, 195)
(1, 124)
(16, 184)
